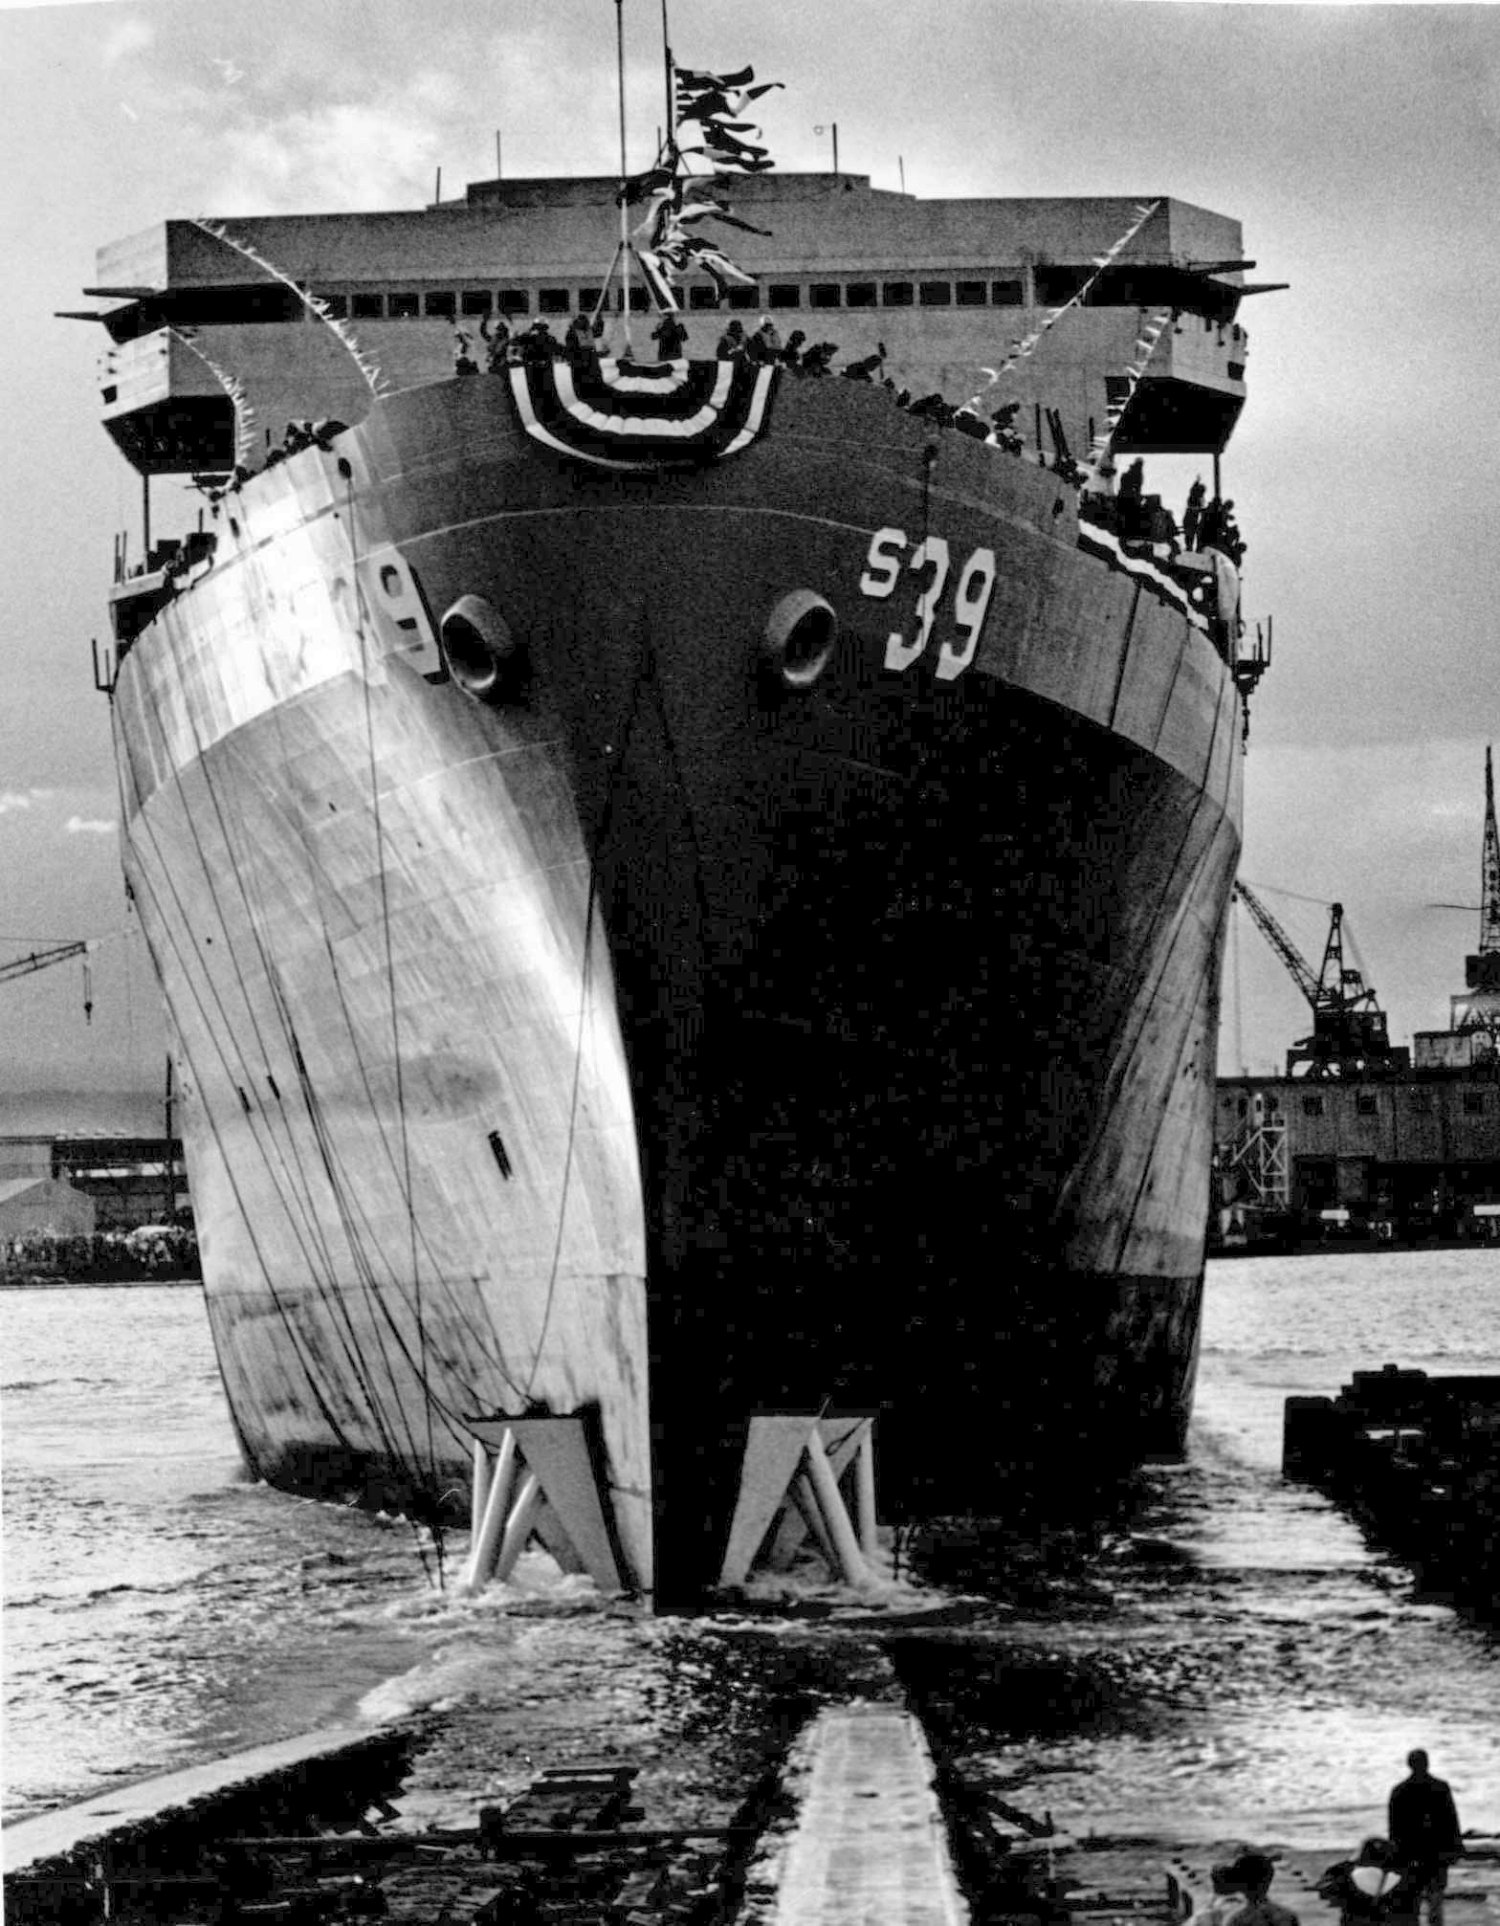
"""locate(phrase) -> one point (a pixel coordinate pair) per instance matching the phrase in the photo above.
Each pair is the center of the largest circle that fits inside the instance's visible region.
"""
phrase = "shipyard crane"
(1478, 1008)
(44, 959)
(1349, 1028)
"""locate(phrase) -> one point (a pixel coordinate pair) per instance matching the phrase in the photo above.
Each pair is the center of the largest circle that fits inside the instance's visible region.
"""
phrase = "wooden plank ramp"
(868, 1846)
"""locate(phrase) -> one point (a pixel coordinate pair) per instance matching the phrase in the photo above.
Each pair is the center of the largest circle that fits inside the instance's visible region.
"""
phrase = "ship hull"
(655, 1038)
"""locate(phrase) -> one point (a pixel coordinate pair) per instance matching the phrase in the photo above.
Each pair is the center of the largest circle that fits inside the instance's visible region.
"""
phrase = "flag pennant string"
(1146, 342)
(314, 305)
(676, 203)
(715, 211)
(695, 77)
(244, 414)
(1027, 344)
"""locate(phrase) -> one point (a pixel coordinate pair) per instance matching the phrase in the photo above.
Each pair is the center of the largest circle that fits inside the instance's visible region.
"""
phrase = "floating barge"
(1417, 1460)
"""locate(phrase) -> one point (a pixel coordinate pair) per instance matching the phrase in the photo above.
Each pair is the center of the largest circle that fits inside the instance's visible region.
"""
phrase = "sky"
(1357, 145)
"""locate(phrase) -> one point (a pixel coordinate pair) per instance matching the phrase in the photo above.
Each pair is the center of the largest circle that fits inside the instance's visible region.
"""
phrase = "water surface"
(1232, 1653)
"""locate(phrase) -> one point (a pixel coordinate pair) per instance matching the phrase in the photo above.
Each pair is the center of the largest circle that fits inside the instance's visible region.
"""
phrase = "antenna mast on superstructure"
(666, 55)
(1479, 1007)
(1489, 900)
(624, 251)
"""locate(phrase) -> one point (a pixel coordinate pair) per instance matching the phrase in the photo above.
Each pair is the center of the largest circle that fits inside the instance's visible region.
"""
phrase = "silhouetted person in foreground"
(1256, 1872)
(1229, 1897)
(1252, 1873)
(1423, 1825)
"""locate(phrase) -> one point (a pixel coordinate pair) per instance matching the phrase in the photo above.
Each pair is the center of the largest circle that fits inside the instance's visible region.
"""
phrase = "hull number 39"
(958, 616)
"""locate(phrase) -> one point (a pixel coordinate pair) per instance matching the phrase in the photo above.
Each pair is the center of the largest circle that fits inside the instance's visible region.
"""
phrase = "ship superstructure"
(948, 286)
(688, 888)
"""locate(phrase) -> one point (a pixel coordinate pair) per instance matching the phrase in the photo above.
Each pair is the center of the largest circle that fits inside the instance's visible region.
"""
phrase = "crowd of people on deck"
(300, 435)
(1141, 519)
(504, 348)
(1398, 1879)
(1125, 509)
(581, 343)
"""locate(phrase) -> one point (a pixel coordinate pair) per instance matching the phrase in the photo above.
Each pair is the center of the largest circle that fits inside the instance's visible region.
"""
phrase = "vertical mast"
(1489, 901)
(169, 1166)
(624, 211)
(666, 54)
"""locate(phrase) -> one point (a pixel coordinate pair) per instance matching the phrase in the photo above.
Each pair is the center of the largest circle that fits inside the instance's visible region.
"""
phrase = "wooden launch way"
(26, 1843)
(276, 1833)
(869, 1843)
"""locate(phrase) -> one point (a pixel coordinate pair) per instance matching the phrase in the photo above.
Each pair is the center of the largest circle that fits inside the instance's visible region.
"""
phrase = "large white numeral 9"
(900, 654)
(393, 597)
(971, 604)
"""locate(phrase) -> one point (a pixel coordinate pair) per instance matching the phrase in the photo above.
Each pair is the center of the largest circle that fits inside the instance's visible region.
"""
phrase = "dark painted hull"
(886, 1077)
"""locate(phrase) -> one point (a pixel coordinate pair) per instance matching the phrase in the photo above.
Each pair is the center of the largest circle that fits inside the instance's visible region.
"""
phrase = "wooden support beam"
(554, 1462)
(479, 1491)
(499, 1479)
(790, 1488)
(852, 1567)
(864, 1472)
(518, 1525)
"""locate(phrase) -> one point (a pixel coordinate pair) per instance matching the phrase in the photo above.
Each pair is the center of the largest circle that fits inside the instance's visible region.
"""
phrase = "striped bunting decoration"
(616, 413)
(1106, 548)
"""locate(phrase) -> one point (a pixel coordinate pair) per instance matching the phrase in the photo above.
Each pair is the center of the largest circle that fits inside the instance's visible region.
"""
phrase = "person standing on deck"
(670, 336)
(1423, 1825)
(495, 339)
(579, 345)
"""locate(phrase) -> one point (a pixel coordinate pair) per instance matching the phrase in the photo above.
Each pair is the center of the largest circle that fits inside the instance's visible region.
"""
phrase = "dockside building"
(1417, 1151)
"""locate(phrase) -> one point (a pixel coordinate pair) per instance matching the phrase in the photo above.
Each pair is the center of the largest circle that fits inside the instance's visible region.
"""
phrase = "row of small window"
(443, 304)
(1419, 1102)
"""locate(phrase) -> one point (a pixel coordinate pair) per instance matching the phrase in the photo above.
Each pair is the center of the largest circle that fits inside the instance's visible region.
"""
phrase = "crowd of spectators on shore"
(148, 1250)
